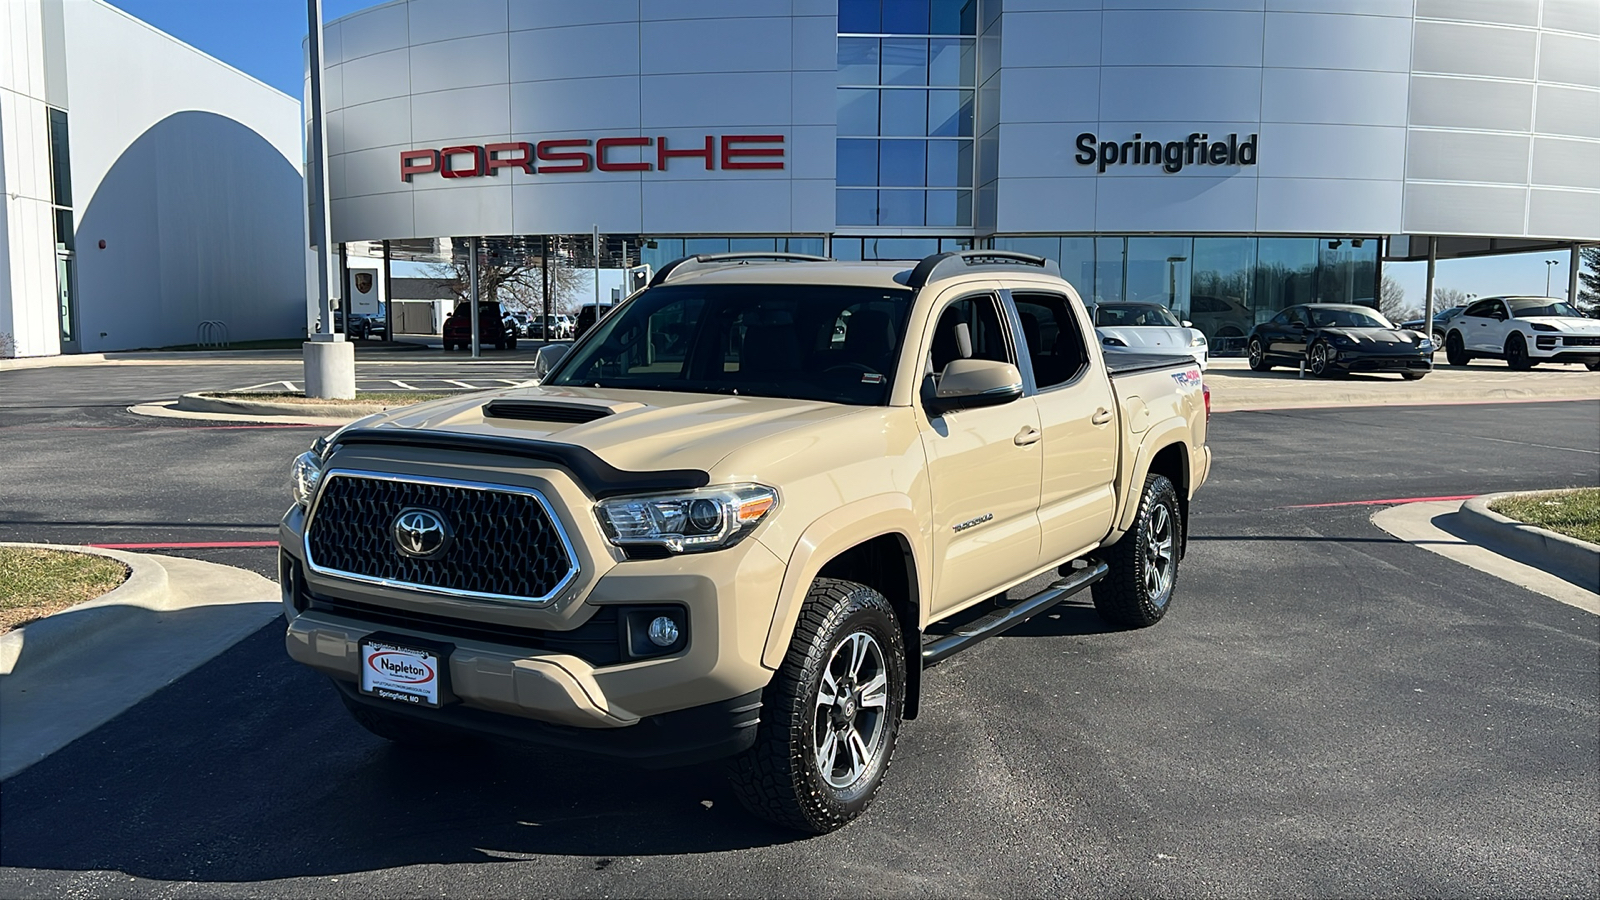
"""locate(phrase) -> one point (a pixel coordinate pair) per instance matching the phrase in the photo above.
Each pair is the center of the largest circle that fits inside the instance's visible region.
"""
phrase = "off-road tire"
(1517, 352)
(402, 730)
(779, 778)
(1125, 597)
(1455, 350)
(1258, 356)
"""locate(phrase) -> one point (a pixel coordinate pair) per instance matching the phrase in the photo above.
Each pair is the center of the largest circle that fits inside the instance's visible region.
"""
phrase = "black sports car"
(1335, 338)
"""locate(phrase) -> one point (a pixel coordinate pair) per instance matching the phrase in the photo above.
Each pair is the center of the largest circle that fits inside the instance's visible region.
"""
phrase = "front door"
(66, 304)
(983, 465)
(1289, 342)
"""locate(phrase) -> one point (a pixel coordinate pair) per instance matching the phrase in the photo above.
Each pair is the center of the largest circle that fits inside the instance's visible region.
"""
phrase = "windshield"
(809, 342)
(1527, 309)
(1134, 314)
(1347, 317)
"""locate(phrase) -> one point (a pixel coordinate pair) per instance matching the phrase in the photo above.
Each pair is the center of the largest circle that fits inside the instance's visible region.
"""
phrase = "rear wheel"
(1144, 563)
(830, 715)
(1258, 356)
(1593, 366)
(1455, 350)
(1517, 352)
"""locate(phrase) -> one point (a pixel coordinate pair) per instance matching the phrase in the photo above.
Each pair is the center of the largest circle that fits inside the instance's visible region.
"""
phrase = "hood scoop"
(545, 411)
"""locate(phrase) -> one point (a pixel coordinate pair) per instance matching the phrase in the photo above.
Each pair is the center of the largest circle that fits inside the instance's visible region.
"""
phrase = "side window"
(1483, 309)
(1281, 318)
(1297, 316)
(969, 329)
(1055, 343)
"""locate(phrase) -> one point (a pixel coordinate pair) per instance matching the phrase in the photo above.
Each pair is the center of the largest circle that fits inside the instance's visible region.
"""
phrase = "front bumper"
(1357, 361)
(561, 673)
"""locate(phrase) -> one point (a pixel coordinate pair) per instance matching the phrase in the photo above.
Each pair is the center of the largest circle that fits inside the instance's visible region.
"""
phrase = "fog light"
(663, 631)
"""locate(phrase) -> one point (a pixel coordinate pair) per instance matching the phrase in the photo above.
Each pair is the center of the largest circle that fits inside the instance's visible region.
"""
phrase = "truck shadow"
(249, 769)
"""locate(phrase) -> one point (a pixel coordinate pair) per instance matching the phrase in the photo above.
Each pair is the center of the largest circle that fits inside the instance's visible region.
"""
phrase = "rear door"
(1077, 415)
(983, 464)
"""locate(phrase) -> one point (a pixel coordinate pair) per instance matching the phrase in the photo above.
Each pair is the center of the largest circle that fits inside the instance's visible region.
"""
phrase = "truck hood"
(633, 430)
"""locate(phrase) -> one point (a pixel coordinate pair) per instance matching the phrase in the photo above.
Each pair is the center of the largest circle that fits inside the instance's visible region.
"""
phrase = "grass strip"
(35, 583)
(1574, 513)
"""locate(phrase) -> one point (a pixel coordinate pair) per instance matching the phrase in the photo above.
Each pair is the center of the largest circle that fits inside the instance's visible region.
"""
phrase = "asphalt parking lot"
(1327, 711)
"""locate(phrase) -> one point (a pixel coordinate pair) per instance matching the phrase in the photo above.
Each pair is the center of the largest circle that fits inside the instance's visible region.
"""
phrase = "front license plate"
(402, 674)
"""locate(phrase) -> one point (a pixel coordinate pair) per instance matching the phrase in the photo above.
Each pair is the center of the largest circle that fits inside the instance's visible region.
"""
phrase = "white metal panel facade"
(1370, 116)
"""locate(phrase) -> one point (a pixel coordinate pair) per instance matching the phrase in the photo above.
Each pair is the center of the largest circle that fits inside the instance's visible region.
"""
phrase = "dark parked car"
(1335, 338)
(1440, 319)
(491, 328)
(588, 315)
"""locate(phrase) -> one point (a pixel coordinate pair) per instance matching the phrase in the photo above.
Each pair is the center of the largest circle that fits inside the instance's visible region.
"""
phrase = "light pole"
(1547, 264)
(330, 360)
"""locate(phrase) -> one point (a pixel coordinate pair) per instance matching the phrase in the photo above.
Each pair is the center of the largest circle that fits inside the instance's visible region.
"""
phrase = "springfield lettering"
(1172, 156)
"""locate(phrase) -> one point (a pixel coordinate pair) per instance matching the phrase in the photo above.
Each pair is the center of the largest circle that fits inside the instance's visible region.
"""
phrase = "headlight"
(1540, 326)
(1110, 341)
(304, 474)
(1199, 340)
(1340, 340)
(1425, 345)
(707, 519)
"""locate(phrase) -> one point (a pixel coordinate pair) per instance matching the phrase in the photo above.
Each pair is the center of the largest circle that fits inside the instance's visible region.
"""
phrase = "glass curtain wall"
(1224, 285)
(905, 112)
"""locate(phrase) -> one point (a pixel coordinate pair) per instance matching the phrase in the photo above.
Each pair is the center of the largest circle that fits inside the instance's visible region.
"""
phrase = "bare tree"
(1444, 298)
(1392, 301)
(517, 284)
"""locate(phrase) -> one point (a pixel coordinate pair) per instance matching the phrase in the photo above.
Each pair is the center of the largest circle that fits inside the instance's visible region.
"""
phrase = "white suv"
(1523, 331)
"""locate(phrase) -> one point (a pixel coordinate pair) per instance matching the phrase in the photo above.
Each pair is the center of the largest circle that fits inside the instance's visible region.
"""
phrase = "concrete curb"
(239, 407)
(169, 410)
(145, 589)
(1566, 557)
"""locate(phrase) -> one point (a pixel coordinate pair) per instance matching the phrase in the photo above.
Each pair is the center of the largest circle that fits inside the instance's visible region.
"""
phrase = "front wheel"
(830, 715)
(1517, 352)
(1144, 563)
(1412, 376)
(1455, 350)
(1321, 361)
(1258, 356)
(1593, 366)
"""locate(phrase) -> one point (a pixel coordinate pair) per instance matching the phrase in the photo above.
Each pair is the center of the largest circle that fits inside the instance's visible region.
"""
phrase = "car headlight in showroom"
(1198, 340)
(707, 519)
(1110, 341)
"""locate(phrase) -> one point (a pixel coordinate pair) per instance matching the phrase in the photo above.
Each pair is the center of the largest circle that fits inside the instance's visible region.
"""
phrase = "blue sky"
(262, 37)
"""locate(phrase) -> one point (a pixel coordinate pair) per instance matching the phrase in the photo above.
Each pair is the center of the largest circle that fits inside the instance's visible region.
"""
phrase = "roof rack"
(690, 263)
(943, 265)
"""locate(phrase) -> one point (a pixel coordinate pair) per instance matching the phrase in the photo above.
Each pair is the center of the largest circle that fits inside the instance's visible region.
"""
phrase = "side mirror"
(1298, 326)
(1188, 324)
(972, 383)
(547, 357)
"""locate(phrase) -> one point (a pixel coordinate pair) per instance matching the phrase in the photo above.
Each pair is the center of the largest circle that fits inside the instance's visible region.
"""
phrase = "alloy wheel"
(851, 711)
(1319, 359)
(1158, 555)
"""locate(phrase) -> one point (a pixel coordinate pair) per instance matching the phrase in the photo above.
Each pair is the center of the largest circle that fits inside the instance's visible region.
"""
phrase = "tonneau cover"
(1127, 363)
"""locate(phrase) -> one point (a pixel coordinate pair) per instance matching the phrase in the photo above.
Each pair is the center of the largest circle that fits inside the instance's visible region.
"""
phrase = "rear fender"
(1160, 436)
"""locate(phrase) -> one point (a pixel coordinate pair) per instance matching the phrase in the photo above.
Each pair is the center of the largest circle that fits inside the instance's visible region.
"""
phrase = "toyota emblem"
(420, 533)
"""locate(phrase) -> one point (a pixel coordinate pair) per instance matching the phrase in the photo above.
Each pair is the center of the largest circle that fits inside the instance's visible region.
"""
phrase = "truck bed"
(1128, 363)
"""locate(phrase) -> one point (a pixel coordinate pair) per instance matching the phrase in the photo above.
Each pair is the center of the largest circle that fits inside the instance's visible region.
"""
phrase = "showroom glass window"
(906, 73)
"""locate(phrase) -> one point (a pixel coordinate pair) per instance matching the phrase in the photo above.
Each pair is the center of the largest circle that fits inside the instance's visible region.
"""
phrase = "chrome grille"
(506, 544)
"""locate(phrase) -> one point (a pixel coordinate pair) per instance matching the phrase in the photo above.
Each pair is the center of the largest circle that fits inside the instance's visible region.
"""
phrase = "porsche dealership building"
(1225, 157)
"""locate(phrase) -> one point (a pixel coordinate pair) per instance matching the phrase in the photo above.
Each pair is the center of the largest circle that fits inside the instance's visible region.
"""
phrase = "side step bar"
(1009, 617)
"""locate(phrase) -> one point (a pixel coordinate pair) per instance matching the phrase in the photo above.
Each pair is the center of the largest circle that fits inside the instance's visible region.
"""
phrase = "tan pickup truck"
(738, 518)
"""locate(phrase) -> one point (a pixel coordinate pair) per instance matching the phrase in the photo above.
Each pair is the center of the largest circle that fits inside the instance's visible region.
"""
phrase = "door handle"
(1101, 416)
(1027, 435)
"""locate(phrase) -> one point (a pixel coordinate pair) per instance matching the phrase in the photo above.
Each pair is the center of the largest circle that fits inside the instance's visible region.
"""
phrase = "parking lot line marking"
(1395, 501)
(460, 384)
(194, 545)
(507, 381)
(401, 385)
